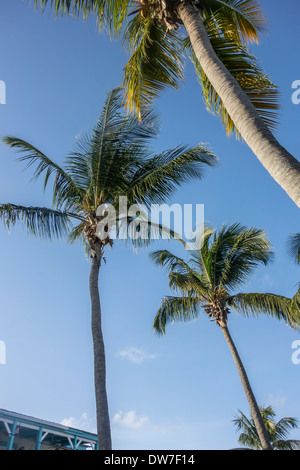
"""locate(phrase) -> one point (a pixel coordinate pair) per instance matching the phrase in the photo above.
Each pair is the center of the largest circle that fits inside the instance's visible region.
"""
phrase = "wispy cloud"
(135, 355)
(84, 423)
(129, 419)
(267, 280)
(276, 400)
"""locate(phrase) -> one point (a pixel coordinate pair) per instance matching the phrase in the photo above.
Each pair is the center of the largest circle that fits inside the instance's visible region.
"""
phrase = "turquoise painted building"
(21, 432)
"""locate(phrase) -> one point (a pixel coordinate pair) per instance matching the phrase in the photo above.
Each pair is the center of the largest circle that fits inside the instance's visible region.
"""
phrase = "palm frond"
(104, 161)
(229, 256)
(141, 231)
(162, 174)
(156, 62)
(69, 7)
(174, 309)
(65, 188)
(273, 305)
(169, 261)
(182, 276)
(39, 221)
(248, 437)
(243, 66)
(293, 246)
(240, 19)
(239, 250)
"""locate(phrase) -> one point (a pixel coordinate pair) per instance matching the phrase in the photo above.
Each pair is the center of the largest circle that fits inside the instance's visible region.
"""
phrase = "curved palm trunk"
(256, 415)
(103, 424)
(281, 165)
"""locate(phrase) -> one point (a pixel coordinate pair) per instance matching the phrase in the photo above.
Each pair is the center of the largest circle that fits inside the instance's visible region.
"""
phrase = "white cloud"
(84, 423)
(129, 419)
(276, 401)
(135, 355)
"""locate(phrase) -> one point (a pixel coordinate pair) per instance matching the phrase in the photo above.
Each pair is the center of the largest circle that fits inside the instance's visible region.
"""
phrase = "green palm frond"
(104, 161)
(75, 8)
(175, 309)
(183, 276)
(65, 188)
(228, 257)
(172, 263)
(249, 437)
(160, 175)
(240, 19)
(243, 66)
(273, 305)
(293, 245)
(69, 7)
(77, 233)
(238, 251)
(140, 231)
(156, 62)
(39, 221)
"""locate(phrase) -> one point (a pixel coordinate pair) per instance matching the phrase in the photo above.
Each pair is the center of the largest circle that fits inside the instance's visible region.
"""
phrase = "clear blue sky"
(185, 391)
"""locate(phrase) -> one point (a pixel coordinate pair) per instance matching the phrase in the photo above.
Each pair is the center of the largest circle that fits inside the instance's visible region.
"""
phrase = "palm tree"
(216, 34)
(113, 161)
(278, 432)
(208, 280)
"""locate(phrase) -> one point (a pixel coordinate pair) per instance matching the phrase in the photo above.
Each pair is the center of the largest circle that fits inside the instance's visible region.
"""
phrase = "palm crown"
(158, 48)
(114, 160)
(211, 275)
(278, 431)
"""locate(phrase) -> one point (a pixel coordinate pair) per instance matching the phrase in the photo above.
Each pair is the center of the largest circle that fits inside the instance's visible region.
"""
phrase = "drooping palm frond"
(248, 437)
(256, 304)
(183, 277)
(156, 62)
(160, 175)
(157, 59)
(65, 190)
(172, 309)
(39, 221)
(137, 228)
(293, 246)
(241, 19)
(243, 66)
(169, 261)
(68, 7)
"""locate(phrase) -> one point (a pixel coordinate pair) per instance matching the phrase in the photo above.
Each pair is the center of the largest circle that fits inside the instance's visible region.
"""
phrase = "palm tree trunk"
(256, 415)
(282, 166)
(103, 423)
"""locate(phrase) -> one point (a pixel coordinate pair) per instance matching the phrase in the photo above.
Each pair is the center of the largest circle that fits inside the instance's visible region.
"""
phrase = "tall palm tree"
(278, 432)
(208, 279)
(113, 161)
(216, 33)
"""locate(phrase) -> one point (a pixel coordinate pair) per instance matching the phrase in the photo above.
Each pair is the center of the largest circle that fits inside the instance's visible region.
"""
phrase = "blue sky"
(180, 391)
